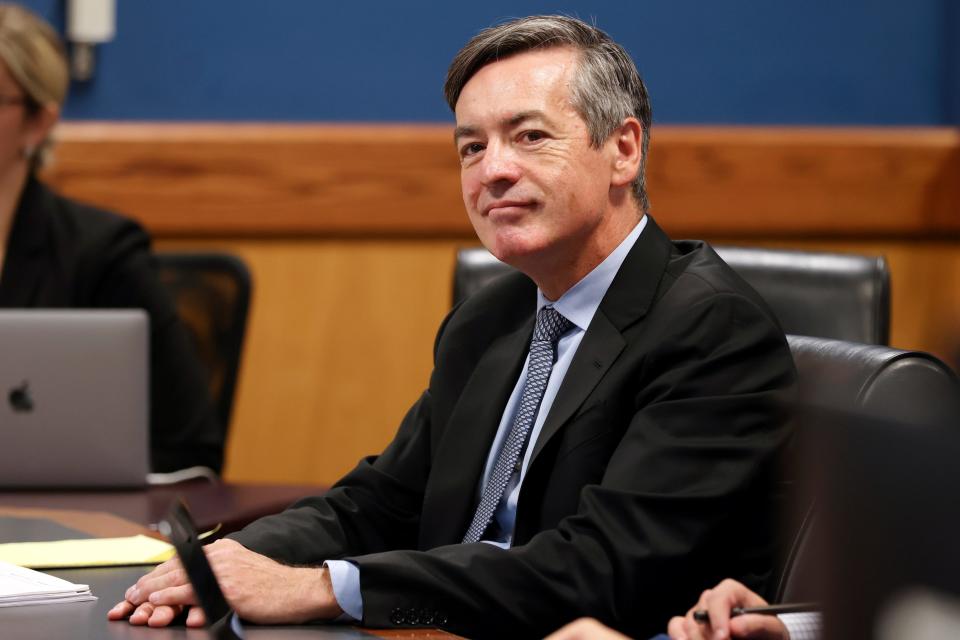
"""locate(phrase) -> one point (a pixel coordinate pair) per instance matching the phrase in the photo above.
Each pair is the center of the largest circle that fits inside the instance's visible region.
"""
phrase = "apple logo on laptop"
(20, 399)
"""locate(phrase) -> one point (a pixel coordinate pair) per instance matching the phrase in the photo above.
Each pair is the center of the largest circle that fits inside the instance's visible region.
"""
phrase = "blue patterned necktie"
(543, 352)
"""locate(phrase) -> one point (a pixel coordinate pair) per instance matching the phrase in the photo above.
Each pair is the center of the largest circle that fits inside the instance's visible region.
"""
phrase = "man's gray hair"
(607, 87)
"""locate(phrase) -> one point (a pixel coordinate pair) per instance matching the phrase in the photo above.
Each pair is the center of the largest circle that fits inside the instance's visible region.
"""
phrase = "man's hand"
(586, 629)
(258, 589)
(138, 609)
(718, 602)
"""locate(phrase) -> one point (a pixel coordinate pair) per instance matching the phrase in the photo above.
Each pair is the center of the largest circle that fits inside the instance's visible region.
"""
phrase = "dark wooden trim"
(205, 180)
(98, 524)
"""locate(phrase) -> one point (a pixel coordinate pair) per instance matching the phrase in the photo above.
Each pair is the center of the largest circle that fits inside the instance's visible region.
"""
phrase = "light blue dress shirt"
(578, 305)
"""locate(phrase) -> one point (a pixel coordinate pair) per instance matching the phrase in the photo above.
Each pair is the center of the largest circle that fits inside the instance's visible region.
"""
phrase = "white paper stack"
(20, 586)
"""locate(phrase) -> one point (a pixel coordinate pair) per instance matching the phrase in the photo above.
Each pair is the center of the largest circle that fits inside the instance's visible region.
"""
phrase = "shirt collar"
(581, 301)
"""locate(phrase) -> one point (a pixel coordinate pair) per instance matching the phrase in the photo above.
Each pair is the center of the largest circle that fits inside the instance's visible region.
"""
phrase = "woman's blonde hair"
(35, 57)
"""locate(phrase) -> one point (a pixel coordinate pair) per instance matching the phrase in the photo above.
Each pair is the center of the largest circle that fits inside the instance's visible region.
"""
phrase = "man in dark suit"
(614, 464)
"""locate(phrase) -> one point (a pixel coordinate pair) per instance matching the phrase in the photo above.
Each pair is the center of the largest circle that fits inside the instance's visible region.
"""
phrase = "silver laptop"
(74, 398)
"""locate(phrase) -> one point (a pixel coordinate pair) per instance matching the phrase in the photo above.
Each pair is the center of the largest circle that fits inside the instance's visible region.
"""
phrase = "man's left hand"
(718, 602)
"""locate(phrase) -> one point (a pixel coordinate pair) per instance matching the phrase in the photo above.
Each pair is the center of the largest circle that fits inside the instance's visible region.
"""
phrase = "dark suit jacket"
(649, 482)
(61, 254)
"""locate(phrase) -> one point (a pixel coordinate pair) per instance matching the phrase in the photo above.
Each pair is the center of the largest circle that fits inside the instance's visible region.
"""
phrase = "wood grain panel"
(807, 182)
(189, 179)
(341, 334)
(403, 180)
(350, 233)
(339, 346)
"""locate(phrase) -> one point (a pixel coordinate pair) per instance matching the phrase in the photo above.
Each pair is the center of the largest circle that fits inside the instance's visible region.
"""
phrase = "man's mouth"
(508, 208)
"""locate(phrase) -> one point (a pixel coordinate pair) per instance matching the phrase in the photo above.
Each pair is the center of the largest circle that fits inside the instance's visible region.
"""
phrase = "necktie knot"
(550, 325)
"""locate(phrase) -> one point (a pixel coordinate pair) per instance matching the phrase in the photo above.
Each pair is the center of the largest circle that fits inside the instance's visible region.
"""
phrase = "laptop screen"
(74, 398)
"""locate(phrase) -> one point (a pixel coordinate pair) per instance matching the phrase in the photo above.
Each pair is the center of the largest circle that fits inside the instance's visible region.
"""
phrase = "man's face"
(534, 188)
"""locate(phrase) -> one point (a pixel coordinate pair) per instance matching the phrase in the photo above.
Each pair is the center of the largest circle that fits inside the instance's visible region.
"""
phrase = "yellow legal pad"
(92, 552)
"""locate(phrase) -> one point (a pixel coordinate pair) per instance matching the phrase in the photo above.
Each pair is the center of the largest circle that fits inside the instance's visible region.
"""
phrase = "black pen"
(701, 615)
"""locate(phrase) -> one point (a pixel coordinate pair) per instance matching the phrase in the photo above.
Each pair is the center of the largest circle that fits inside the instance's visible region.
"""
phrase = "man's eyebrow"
(523, 116)
(465, 131)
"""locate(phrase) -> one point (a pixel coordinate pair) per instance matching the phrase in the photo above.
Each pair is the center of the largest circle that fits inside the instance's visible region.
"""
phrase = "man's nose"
(500, 164)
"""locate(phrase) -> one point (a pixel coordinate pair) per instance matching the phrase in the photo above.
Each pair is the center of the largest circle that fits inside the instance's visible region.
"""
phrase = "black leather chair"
(912, 388)
(212, 294)
(475, 268)
(829, 295)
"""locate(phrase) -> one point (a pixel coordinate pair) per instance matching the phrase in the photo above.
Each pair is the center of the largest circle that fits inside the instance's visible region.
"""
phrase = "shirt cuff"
(345, 577)
(802, 626)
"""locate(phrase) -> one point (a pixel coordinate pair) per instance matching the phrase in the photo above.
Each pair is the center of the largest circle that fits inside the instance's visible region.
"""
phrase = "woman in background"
(56, 253)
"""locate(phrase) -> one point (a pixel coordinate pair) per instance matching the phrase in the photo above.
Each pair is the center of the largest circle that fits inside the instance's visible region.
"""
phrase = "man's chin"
(514, 255)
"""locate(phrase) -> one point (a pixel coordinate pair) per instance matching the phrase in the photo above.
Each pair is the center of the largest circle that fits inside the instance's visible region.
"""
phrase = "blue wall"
(734, 61)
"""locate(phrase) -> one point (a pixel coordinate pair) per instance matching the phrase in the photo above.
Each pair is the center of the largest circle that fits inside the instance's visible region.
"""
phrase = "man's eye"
(533, 136)
(471, 149)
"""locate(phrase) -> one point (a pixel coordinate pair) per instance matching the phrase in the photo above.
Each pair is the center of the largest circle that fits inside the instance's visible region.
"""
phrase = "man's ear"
(41, 123)
(626, 143)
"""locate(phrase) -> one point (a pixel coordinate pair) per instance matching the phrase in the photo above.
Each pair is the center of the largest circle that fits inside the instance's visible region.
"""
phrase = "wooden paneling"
(350, 233)
(339, 345)
(267, 180)
(403, 181)
(807, 182)
(341, 334)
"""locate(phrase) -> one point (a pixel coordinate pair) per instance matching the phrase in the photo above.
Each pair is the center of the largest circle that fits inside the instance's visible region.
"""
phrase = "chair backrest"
(212, 294)
(475, 268)
(828, 295)
(909, 387)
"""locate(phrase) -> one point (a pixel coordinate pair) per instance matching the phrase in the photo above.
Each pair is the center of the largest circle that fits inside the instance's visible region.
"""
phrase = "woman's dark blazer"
(62, 254)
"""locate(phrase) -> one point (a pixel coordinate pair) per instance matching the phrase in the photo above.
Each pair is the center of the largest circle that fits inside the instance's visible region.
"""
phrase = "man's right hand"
(258, 588)
(718, 602)
(140, 611)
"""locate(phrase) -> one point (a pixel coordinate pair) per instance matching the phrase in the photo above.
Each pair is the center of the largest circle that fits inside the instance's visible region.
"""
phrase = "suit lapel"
(462, 453)
(598, 350)
(23, 268)
(461, 456)
(627, 300)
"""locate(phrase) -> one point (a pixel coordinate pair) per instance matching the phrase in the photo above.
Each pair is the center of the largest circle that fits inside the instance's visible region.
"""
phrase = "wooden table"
(89, 619)
(121, 513)
(231, 505)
